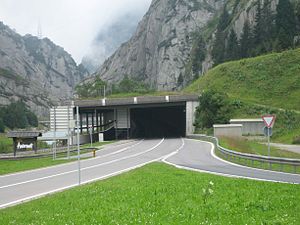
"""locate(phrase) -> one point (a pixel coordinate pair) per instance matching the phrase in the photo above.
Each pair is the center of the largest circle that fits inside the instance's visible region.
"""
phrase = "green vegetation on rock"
(126, 87)
(17, 115)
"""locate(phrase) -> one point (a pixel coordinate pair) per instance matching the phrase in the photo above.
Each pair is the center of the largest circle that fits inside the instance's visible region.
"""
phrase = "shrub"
(214, 107)
(296, 140)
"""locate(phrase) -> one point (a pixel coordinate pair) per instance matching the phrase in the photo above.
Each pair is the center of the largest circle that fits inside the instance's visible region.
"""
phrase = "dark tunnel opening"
(157, 122)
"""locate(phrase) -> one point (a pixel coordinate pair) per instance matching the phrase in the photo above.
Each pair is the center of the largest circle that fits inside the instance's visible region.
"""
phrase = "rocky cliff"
(35, 70)
(159, 53)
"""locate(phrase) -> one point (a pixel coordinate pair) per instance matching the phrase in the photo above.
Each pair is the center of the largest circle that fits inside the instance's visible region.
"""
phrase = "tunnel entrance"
(157, 122)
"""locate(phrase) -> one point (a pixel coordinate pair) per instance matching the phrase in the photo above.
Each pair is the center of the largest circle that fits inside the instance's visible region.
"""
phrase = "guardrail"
(44, 155)
(265, 162)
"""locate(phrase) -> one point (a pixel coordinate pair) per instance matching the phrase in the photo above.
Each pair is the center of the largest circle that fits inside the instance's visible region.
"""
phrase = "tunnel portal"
(155, 122)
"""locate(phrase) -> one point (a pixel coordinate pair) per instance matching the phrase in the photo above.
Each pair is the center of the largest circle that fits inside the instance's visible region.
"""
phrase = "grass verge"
(13, 166)
(252, 147)
(161, 194)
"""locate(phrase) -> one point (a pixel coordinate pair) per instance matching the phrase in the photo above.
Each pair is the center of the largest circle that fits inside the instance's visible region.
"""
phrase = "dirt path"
(291, 148)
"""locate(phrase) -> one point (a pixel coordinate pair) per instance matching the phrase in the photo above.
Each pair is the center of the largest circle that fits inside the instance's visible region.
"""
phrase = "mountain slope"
(178, 40)
(159, 49)
(271, 80)
(36, 71)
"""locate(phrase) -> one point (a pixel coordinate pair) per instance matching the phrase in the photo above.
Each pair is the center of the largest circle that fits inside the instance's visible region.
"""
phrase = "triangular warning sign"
(269, 120)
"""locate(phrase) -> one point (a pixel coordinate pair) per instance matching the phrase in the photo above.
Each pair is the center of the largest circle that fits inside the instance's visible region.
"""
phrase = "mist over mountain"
(109, 39)
(179, 40)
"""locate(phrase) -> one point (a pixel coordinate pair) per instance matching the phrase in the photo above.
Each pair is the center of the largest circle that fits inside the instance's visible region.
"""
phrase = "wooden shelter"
(24, 140)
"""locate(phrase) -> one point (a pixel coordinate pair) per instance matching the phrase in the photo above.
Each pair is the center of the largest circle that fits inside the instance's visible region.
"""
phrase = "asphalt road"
(199, 156)
(115, 159)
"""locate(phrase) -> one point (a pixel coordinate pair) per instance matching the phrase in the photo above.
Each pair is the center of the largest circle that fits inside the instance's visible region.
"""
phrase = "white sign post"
(91, 134)
(269, 121)
(78, 140)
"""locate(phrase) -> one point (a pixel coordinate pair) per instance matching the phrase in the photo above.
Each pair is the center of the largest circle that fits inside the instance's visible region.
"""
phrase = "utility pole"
(78, 148)
(68, 132)
(39, 31)
(54, 152)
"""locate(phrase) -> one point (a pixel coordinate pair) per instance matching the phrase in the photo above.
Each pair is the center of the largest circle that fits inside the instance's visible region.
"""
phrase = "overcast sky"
(72, 24)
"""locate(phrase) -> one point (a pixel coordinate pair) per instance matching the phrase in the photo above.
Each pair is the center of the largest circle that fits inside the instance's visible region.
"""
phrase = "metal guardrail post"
(264, 162)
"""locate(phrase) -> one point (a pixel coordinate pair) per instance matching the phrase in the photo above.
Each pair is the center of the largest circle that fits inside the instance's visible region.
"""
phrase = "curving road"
(115, 159)
(199, 156)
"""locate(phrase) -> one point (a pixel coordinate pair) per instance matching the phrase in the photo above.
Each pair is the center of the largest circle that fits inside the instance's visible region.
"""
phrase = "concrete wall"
(190, 116)
(250, 126)
(123, 118)
(228, 130)
(84, 139)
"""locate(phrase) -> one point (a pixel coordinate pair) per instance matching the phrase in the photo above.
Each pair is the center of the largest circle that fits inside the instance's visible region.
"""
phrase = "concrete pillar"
(190, 116)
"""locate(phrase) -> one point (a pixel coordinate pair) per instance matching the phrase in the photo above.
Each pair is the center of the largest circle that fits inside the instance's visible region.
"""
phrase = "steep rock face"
(159, 49)
(36, 71)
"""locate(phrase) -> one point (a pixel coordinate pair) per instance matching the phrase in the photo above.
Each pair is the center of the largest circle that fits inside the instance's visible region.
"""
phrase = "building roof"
(24, 134)
(136, 100)
(246, 120)
(227, 125)
(59, 135)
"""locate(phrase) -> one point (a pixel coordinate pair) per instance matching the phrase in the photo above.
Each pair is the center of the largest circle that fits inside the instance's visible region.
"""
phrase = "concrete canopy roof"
(136, 100)
(24, 134)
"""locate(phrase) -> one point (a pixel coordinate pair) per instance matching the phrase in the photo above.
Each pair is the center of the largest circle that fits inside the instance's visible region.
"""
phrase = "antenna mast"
(39, 31)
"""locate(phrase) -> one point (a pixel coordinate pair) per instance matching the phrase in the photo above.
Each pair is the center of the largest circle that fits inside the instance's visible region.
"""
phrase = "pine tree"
(297, 12)
(258, 28)
(268, 27)
(246, 41)
(198, 55)
(218, 51)
(285, 24)
(232, 50)
(224, 20)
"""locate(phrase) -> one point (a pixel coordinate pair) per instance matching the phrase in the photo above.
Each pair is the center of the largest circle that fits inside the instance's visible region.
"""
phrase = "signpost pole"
(78, 148)
(269, 149)
(91, 136)
(269, 121)
(55, 132)
(68, 132)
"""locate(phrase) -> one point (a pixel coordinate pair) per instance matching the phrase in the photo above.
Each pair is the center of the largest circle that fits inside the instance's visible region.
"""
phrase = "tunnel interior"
(156, 122)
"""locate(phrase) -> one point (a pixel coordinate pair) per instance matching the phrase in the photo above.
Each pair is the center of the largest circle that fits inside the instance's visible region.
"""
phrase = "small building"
(250, 126)
(24, 140)
(228, 130)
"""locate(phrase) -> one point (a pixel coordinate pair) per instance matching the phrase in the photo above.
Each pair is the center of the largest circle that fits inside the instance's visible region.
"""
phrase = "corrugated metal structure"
(60, 117)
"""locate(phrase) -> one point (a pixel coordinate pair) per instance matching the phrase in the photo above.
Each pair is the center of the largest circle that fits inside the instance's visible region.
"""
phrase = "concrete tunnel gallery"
(136, 122)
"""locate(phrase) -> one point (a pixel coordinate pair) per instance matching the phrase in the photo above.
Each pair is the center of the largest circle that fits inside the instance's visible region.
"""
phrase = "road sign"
(269, 120)
(268, 131)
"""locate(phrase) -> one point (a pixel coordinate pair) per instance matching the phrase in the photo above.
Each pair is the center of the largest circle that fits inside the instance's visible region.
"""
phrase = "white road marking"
(85, 168)
(64, 164)
(212, 152)
(85, 182)
(175, 152)
(218, 173)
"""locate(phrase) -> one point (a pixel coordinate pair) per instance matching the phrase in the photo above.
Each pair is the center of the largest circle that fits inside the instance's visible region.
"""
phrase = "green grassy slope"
(260, 85)
(161, 194)
(272, 80)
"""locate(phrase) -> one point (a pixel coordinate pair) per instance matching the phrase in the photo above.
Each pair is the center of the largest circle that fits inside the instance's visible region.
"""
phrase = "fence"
(265, 162)
(49, 154)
